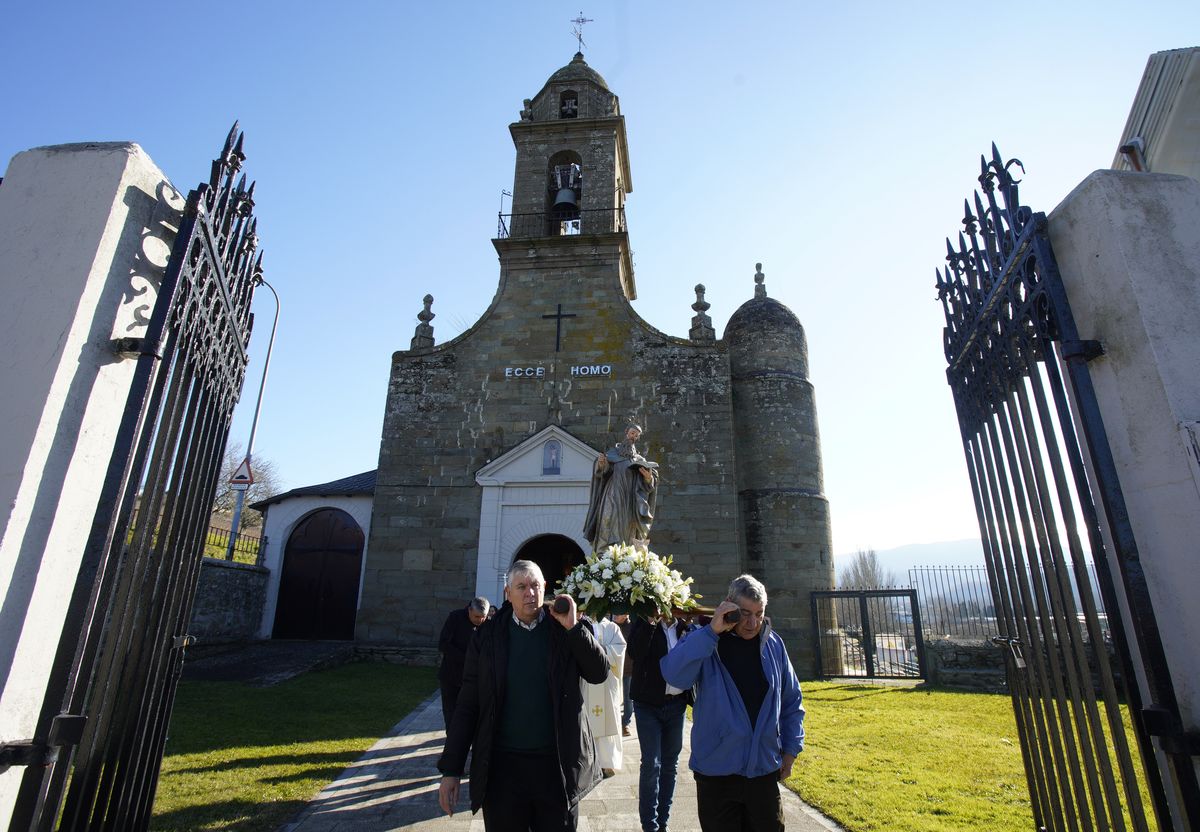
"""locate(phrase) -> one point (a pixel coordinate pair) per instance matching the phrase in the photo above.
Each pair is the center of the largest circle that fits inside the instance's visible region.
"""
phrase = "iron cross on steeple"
(558, 316)
(577, 29)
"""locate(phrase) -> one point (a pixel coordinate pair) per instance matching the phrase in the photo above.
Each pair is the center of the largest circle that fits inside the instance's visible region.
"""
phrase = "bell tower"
(572, 169)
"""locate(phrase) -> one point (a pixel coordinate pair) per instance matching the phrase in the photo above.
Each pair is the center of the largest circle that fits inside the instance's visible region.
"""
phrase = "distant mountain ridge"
(966, 552)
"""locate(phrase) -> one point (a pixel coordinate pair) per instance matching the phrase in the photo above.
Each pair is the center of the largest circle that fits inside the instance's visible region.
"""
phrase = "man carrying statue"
(624, 488)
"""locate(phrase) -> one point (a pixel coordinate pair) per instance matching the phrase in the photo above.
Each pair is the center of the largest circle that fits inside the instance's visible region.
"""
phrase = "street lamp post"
(242, 484)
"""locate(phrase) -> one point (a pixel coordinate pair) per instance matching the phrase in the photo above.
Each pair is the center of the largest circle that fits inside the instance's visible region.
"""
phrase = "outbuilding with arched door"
(314, 547)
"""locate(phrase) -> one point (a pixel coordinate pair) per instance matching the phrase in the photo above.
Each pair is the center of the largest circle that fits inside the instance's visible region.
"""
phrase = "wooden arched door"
(318, 588)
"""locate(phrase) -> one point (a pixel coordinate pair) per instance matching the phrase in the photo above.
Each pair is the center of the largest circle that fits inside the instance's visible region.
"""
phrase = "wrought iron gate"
(870, 633)
(1018, 372)
(104, 719)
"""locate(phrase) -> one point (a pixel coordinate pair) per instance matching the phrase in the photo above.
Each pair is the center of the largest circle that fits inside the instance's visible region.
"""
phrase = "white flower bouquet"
(625, 579)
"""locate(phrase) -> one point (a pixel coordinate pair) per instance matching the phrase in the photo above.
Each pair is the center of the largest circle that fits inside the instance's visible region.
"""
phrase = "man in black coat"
(659, 710)
(521, 710)
(456, 635)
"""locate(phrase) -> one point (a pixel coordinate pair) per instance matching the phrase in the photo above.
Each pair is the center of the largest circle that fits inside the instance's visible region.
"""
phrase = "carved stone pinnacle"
(702, 328)
(423, 337)
(760, 290)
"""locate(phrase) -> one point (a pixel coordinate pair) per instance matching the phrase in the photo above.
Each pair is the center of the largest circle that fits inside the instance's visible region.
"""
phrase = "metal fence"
(957, 601)
(560, 224)
(872, 633)
(246, 547)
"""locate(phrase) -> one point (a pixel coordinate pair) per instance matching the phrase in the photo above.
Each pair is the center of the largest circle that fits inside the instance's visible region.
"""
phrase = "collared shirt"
(520, 623)
(672, 639)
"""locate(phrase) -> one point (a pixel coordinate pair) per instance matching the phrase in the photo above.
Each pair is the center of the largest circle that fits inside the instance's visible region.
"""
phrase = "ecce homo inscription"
(576, 370)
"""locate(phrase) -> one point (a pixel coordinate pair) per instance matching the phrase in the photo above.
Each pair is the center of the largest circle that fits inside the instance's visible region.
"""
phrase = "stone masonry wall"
(784, 512)
(976, 664)
(450, 410)
(229, 602)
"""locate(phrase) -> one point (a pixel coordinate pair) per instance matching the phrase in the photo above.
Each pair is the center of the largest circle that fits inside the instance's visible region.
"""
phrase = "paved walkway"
(394, 786)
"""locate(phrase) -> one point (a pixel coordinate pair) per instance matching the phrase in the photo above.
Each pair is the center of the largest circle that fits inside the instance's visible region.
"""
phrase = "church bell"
(566, 197)
(565, 200)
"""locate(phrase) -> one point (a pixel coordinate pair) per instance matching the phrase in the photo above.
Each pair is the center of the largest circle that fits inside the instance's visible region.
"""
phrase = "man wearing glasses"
(748, 720)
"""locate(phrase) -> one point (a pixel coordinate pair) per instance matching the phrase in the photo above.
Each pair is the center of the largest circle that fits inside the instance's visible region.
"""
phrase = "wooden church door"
(318, 587)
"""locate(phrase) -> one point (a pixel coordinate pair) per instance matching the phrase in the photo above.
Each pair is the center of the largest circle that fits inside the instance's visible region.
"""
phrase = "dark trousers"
(525, 794)
(660, 736)
(626, 704)
(733, 803)
(449, 700)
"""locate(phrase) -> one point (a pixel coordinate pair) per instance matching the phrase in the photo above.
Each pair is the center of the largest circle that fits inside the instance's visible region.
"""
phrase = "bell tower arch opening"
(564, 193)
(555, 554)
(568, 104)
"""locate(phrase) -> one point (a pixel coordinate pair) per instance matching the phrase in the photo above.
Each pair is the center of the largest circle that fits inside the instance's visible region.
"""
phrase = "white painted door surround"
(539, 487)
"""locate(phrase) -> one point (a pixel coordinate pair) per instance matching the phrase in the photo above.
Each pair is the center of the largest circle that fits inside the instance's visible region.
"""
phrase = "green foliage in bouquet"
(624, 579)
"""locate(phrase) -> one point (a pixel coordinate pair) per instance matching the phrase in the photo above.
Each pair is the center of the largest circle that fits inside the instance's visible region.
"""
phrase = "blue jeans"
(626, 705)
(660, 735)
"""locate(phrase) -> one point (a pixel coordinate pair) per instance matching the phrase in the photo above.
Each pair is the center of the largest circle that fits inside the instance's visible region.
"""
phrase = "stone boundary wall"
(229, 602)
(977, 664)
(410, 656)
(971, 663)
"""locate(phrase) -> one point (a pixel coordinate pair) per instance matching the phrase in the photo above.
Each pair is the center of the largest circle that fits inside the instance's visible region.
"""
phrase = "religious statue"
(621, 504)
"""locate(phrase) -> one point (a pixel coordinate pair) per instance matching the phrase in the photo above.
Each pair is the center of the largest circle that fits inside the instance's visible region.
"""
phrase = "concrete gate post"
(1128, 248)
(85, 233)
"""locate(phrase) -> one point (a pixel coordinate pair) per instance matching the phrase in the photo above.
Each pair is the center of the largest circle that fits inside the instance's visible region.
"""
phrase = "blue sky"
(834, 143)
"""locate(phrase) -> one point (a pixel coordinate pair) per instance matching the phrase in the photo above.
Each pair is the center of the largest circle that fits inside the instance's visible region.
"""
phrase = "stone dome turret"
(575, 91)
(765, 336)
(577, 70)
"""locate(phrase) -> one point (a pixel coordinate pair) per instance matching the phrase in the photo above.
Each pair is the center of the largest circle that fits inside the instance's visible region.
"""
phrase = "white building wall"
(85, 232)
(282, 519)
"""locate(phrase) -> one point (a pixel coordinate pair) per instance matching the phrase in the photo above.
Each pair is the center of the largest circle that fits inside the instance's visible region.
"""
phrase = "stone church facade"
(488, 439)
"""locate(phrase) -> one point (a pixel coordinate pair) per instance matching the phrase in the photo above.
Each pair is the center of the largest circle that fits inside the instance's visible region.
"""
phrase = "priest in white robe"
(603, 701)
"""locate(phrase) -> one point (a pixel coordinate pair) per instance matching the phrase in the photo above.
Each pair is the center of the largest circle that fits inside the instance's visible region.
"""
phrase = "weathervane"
(577, 29)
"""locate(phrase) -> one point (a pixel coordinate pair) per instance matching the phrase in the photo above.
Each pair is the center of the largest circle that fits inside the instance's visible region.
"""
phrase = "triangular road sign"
(242, 476)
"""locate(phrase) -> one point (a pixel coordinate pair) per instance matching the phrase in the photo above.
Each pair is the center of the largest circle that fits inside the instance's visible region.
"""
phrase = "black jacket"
(574, 655)
(453, 643)
(647, 645)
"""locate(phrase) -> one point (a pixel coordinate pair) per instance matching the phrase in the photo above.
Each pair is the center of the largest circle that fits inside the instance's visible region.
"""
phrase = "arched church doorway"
(318, 585)
(555, 554)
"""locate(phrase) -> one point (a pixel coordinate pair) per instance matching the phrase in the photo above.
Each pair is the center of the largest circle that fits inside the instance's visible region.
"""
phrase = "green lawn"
(899, 759)
(876, 758)
(247, 758)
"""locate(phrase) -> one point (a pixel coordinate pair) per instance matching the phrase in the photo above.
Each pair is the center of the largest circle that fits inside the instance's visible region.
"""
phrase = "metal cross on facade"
(558, 316)
(577, 29)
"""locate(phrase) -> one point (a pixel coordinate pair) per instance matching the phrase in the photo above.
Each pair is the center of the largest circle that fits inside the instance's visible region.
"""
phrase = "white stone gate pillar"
(85, 232)
(1128, 248)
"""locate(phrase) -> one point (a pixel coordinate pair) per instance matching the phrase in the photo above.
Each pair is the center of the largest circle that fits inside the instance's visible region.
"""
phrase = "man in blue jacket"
(748, 720)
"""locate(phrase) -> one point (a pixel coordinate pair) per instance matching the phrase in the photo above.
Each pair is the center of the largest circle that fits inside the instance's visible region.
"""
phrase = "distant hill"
(968, 552)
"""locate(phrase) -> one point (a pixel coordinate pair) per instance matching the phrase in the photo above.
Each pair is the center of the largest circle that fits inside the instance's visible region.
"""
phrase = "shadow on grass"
(315, 773)
(341, 758)
(315, 705)
(241, 735)
(228, 816)
(843, 693)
